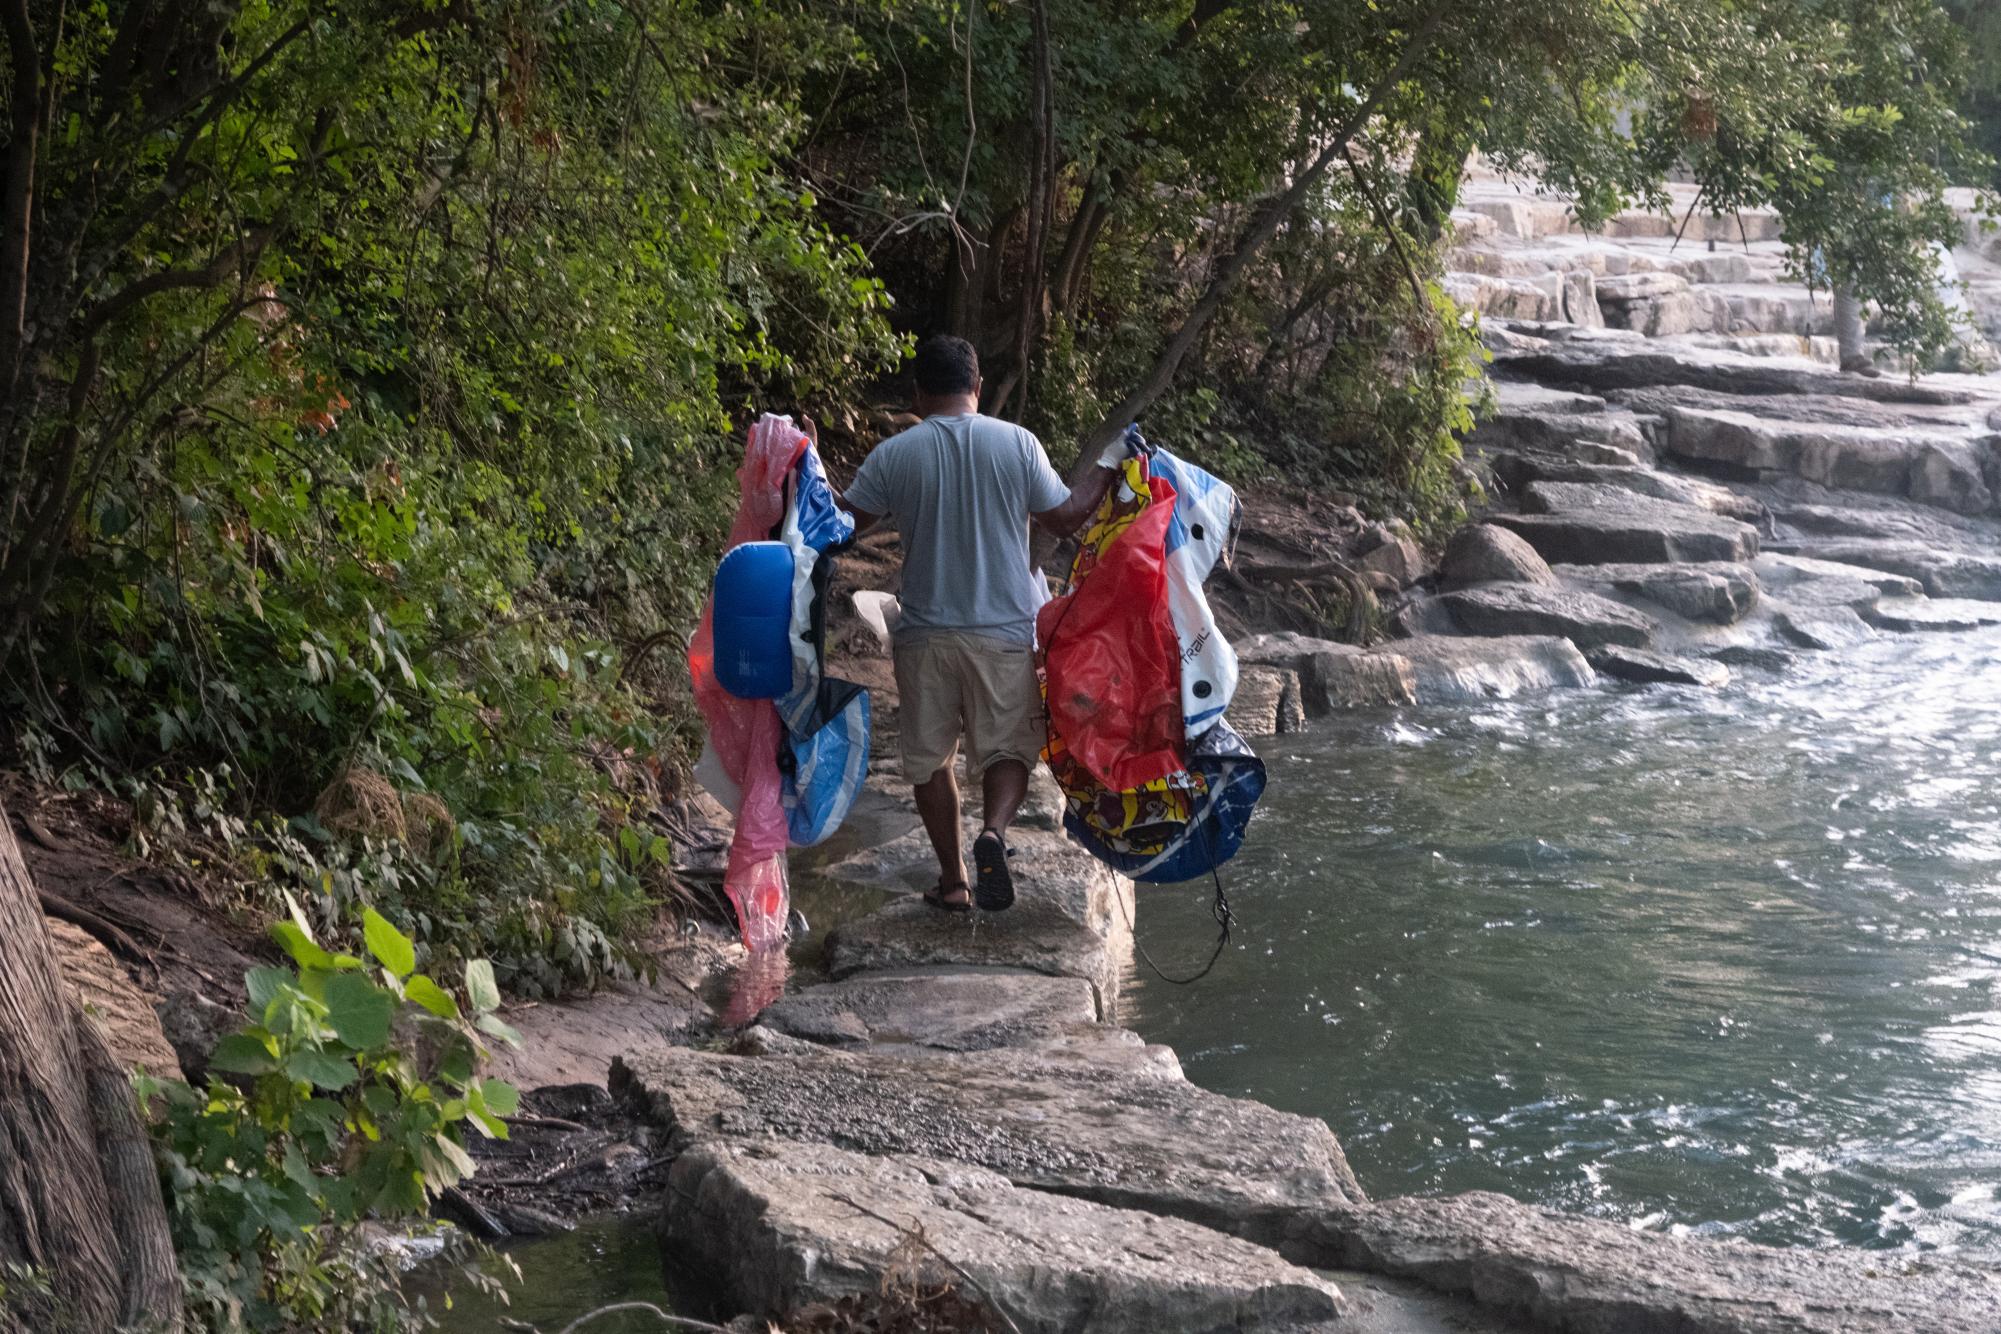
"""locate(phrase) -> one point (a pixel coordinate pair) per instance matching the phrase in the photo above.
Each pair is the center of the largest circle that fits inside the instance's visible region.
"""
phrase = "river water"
(1709, 962)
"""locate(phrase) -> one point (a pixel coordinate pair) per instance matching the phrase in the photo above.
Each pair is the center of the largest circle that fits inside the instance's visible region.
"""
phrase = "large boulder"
(1717, 592)
(1393, 554)
(1827, 626)
(1331, 675)
(1481, 553)
(1585, 619)
(1561, 1272)
(789, 1224)
(1952, 475)
(1592, 524)
(1267, 701)
(1128, 1139)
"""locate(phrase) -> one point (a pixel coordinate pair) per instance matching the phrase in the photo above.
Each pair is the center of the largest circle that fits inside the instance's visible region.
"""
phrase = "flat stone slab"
(1449, 669)
(1521, 470)
(1038, 935)
(788, 1224)
(1585, 619)
(945, 1009)
(1755, 657)
(1781, 571)
(1581, 523)
(1718, 592)
(1936, 467)
(1639, 665)
(1588, 1276)
(1826, 627)
(1944, 573)
(1604, 365)
(1913, 614)
(1131, 1140)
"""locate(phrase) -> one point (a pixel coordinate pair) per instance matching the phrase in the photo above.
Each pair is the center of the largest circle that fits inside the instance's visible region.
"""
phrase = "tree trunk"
(79, 1197)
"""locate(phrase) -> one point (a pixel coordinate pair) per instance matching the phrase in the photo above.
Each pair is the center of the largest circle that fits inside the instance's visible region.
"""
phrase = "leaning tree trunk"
(79, 1199)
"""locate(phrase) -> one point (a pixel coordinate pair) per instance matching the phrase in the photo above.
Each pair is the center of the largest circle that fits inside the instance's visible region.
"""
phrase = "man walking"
(963, 487)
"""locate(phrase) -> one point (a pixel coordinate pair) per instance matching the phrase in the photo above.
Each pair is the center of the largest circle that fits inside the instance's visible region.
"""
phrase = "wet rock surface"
(1721, 593)
(1585, 619)
(1129, 1140)
(1583, 523)
(1447, 670)
(1561, 1272)
(944, 1009)
(1641, 666)
(793, 1222)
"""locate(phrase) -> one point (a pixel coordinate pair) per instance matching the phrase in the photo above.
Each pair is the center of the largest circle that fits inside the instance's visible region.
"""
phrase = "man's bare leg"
(938, 806)
(1004, 786)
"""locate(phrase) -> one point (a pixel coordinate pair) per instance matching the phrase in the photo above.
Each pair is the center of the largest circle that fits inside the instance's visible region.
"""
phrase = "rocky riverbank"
(1681, 488)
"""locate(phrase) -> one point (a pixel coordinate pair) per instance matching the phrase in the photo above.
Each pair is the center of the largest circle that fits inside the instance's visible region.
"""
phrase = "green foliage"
(393, 493)
(387, 357)
(345, 1098)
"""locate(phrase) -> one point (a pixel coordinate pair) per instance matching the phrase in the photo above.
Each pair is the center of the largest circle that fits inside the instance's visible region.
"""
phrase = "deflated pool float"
(788, 746)
(1157, 785)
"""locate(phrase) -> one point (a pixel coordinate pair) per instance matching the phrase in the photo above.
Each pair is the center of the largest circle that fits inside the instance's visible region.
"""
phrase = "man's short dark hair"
(946, 365)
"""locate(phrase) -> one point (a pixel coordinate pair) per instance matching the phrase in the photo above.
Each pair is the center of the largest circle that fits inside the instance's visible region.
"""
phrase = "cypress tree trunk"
(79, 1198)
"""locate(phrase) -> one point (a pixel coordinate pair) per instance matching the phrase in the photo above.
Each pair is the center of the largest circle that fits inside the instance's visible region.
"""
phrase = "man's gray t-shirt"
(962, 490)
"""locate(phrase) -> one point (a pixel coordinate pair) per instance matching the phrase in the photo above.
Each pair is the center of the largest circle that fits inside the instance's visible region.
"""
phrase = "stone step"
(1561, 1272)
(1125, 1139)
(789, 1224)
(1944, 574)
(1585, 619)
(1070, 919)
(1933, 467)
(1589, 524)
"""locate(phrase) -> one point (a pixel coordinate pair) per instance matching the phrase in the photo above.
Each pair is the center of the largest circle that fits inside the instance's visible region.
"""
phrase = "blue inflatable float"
(753, 620)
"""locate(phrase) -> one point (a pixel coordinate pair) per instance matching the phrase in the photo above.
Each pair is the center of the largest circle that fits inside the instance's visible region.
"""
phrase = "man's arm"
(863, 519)
(1067, 517)
(1083, 501)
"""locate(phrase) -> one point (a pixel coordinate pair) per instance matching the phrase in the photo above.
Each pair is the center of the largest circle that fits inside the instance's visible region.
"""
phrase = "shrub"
(347, 1097)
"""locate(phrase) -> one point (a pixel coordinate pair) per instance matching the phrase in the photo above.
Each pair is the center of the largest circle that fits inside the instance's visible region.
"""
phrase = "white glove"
(1114, 455)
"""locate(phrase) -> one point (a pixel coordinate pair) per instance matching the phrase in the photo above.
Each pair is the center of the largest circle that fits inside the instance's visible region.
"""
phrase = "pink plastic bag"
(744, 733)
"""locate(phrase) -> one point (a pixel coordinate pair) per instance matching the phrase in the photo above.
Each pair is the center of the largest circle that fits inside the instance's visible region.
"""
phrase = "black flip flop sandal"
(993, 888)
(935, 896)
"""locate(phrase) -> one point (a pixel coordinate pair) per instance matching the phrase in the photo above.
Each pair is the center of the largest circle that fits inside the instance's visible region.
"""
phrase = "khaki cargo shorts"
(951, 683)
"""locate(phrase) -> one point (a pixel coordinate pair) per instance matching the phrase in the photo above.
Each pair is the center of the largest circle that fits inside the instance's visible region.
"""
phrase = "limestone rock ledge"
(790, 1223)
(1587, 1276)
(1132, 1140)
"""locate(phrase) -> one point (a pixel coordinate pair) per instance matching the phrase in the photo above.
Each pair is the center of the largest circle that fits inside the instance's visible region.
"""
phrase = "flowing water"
(1709, 962)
